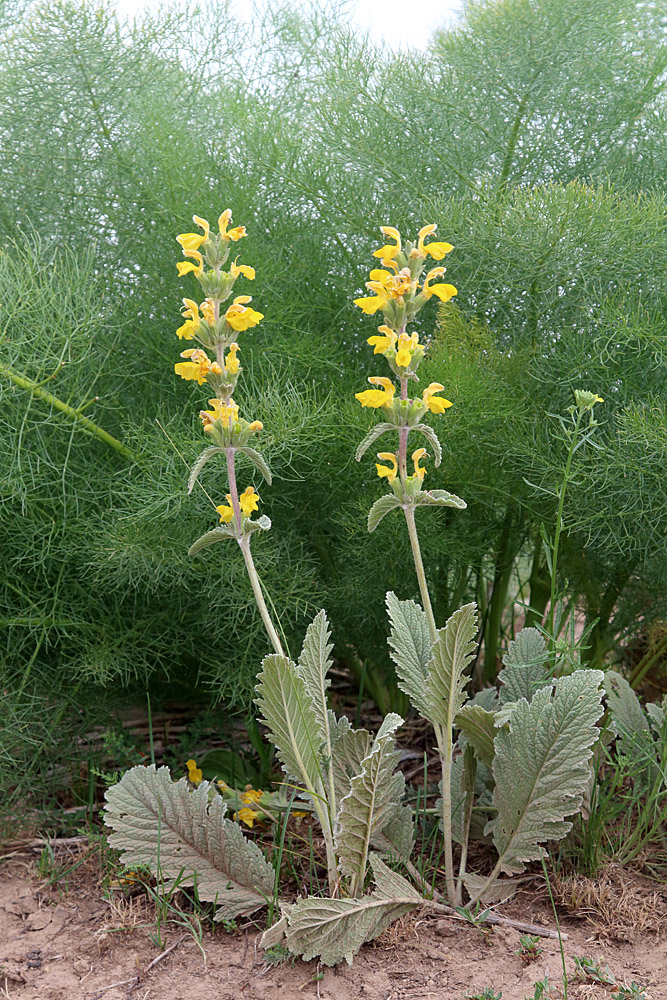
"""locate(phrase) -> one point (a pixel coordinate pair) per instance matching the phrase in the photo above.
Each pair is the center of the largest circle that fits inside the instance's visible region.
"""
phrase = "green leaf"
(624, 705)
(184, 838)
(398, 836)
(372, 802)
(374, 433)
(313, 666)
(201, 462)
(451, 654)
(335, 929)
(479, 728)
(219, 534)
(348, 751)
(541, 767)
(380, 508)
(290, 716)
(525, 669)
(258, 460)
(432, 439)
(438, 498)
(410, 642)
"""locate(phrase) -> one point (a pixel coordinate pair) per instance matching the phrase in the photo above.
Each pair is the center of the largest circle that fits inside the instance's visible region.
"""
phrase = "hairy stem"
(443, 736)
(409, 512)
(244, 544)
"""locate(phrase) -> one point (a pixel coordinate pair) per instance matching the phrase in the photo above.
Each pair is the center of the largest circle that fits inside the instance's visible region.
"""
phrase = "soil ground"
(70, 942)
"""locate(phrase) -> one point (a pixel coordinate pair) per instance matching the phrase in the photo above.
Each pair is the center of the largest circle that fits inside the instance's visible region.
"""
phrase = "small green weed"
(631, 992)
(590, 970)
(486, 994)
(543, 991)
(529, 948)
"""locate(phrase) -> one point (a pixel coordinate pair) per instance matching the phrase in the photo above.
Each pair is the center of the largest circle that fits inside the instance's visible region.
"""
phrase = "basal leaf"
(258, 461)
(479, 728)
(290, 716)
(201, 462)
(380, 508)
(499, 890)
(182, 836)
(219, 534)
(541, 767)
(398, 836)
(525, 670)
(451, 654)
(348, 752)
(410, 642)
(313, 667)
(374, 433)
(624, 705)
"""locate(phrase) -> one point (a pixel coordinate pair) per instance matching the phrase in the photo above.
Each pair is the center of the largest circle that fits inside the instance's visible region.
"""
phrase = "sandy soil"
(57, 945)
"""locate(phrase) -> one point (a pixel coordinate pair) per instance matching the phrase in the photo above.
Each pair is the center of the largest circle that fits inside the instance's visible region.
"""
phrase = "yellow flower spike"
(232, 363)
(377, 397)
(247, 816)
(236, 269)
(385, 343)
(404, 354)
(208, 311)
(433, 403)
(251, 796)
(436, 250)
(190, 241)
(240, 317)
(194, 772)
(416, 456)
(384, 471)
(248, 501)
(186, 266)
(389, 251)
(203, 224)
(226, 512)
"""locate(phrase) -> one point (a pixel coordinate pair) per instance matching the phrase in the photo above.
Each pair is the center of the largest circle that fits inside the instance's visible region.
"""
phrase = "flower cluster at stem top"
(400, 290)
(216, 360)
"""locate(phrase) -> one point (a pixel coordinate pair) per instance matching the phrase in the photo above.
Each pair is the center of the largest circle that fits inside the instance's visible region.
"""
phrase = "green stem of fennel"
(559, 525)
(87, 425)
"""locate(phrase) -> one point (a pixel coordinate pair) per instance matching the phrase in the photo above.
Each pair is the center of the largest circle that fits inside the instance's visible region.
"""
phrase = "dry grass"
(618, 904)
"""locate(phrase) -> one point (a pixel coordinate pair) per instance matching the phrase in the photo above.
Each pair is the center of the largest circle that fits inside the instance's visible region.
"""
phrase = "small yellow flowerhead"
(226, 412)
(240, 317)
(247, 816)
(190, 313)
(251, 796)
(432, 402)
(390, 250)
(226, 511)
(208, 311)
(196, 368)
(416, 456)
(248, 501)
(230, 234)
(232, 363)
(236, 269)
(385, 471)
(194, 772)
(407, 346)
(435, 250)
(377, 397)
(387, 342)
(186, 266)
(443, 291)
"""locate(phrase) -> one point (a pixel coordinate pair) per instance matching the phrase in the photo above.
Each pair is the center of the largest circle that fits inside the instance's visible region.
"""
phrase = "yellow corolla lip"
(185, 266)
(190, 241)
(389, 251)
(236, 269)
(203, 224)
(435, 404)
(385, 471)
(404, 354)
(416, 456)
(385, 343)
(248, 501)
(377, 397)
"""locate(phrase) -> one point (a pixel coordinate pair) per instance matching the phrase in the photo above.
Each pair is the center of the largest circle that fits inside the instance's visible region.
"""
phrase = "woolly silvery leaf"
(410, 641)
(263, 523)
(201, 462)
(486, 698)
(374, 433)
(432, 439)
(380, 508)
(290, 716)
(183, 837)
(439, 498)
(541, 767)
(398, 836)
(348, 751)
(335, 929)
(313, 666)
(479, 728)
(497, 891)
(257, 460)
(451, 654)
(370, 805)
(624, 706)
(524, 671)
(219, 534)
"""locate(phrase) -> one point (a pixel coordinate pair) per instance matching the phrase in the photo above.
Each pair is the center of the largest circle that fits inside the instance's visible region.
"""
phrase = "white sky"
(399, 23)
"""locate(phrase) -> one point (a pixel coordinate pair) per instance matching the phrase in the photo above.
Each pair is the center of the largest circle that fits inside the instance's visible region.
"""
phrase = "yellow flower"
(225, 511)
(232, 363)
(389, 251)
(416, 455)
(384, 470)
(256, 425)
(216, 369)
(192, 322)
(406, 345)
(377, 397)
(230, 234)
(190, 241)
(203, 224)
(208, 311)
(371, 303)
(196, 369)
(436, 250)
(185, 266)
(248, 501)
(444, 292)
(194, 772)
(240, 317)
(385, 343)
(247, 272)
(227, 412)
(251, 796)
(247, 816)
(435, 405)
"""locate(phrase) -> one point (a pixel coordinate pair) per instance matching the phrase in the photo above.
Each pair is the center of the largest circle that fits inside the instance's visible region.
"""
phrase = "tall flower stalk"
(215, 330)
(399, 291)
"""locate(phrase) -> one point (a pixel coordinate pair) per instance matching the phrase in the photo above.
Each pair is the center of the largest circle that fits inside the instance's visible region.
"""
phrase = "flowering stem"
(559, 527)
(233, 491)
(244, 544)
(409, 512)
